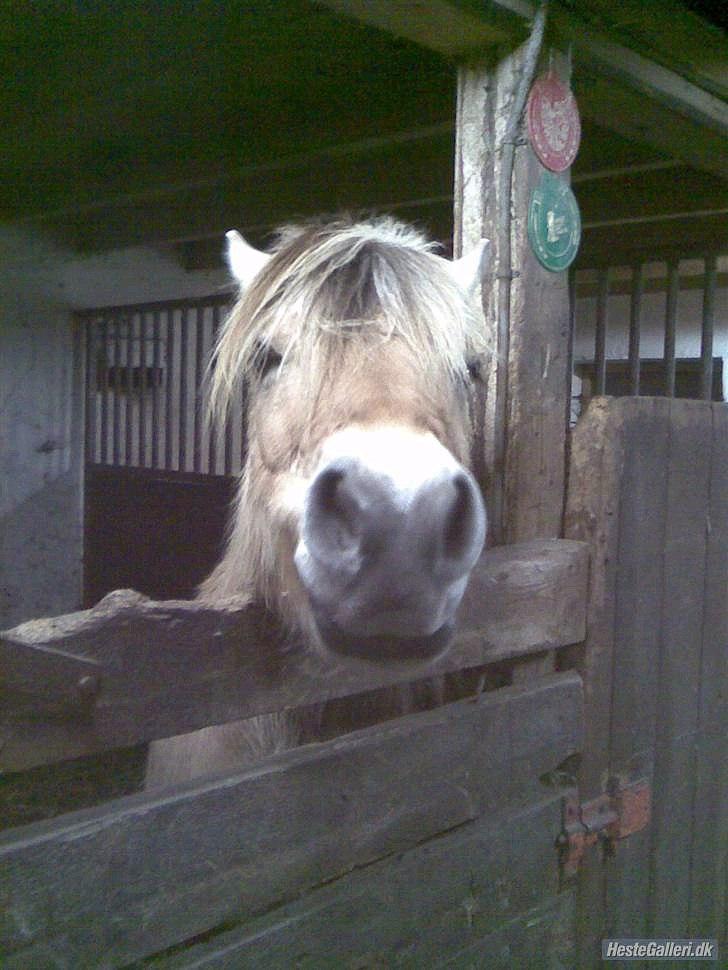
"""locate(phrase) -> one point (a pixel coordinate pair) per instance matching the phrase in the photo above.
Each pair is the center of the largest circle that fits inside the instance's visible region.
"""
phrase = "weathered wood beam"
(679, 236)
(164, 668)
(658, 83)
(611, 101)
(667, 33)
(440, 25)
(118, 883)
(526, 377)
(626, 91)
(648, 489)
(367, 173)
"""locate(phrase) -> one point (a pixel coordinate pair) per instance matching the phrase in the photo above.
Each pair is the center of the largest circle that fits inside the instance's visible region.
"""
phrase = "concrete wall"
(41, 405)
(40, 440)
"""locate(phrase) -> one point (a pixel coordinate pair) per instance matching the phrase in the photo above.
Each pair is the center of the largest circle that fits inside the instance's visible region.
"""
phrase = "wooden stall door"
(158, 532)
(649, 491)
(426, 841)
(158, 476)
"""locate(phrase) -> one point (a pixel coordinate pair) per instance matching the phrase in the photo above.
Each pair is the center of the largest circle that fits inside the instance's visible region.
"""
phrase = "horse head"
(358, 520)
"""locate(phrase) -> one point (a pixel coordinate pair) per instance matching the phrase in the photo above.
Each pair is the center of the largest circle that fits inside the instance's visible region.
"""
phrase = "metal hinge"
(606, 820)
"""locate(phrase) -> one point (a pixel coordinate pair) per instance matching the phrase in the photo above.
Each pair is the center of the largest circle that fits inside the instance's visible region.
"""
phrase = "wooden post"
(523, 401)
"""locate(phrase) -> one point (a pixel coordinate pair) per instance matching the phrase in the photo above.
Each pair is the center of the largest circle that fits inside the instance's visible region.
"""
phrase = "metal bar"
(116, 384)
(169, 397)
(673, 289)
(199, 354)
(212, 454)
(129, 396)
(600, 336)
(142, 441)
(183, 388)
(706, 337)
(91, 394)
(156, 388)
(104, 354)
(635, 311)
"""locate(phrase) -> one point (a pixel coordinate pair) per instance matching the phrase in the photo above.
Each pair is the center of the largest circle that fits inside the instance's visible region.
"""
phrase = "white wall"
(41, 405)
(137, 275)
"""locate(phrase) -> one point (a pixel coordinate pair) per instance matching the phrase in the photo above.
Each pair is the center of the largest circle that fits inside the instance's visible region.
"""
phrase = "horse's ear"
(469, 269)
(244, 260)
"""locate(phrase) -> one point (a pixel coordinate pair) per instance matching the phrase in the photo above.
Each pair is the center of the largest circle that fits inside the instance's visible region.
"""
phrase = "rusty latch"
(606, 819)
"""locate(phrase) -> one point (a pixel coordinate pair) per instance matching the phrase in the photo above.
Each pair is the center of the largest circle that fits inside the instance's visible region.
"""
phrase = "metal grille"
(145, 389)
(641, 362)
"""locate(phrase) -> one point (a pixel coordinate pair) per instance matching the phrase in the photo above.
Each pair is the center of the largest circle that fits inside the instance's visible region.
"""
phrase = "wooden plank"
(525, 379)
(709, 852)
(645, 486)
(538, 377)
(533, 667)
(658, 83)
(709, 849)
(615, 103)
(593, 500)
(596, 465)
(173, 666)
(474, 209)
(437, 24)
(624, 90)
(677, 36)
(541, 937)
(684, 581)
(432, 905)
(173, 866)
(615, 462)
(640, 525)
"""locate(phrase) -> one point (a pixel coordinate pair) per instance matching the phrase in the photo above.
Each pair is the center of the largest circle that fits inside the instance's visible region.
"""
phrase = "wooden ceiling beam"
(623, 90)
(656, 82)
(439, 25)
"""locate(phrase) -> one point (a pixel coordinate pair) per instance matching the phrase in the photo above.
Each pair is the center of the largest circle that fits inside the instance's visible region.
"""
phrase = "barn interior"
(136, 134)
(164, 124)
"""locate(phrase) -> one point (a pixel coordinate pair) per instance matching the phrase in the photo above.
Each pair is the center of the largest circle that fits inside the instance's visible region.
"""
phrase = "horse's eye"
(474, 368)
(267, 359)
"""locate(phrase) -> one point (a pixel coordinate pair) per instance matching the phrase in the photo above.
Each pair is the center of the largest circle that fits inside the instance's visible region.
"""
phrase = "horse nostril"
(460, 520)
(333, 512)
(449, 516)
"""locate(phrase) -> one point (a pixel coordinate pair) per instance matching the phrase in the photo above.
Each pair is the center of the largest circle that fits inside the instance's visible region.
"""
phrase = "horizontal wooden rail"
(111, 885)
(132, 669)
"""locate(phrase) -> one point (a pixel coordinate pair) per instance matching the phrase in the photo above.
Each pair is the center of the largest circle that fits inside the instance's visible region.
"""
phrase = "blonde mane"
(373, 323)
(327, 283)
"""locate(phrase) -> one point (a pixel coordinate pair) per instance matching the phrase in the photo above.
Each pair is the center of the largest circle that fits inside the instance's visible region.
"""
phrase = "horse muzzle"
(385, 553)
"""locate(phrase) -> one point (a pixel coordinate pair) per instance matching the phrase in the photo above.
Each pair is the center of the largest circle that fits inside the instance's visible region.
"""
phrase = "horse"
(357, 519)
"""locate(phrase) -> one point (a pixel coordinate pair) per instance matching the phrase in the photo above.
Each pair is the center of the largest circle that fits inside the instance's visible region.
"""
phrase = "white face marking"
(290, 495)
(406, 458)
